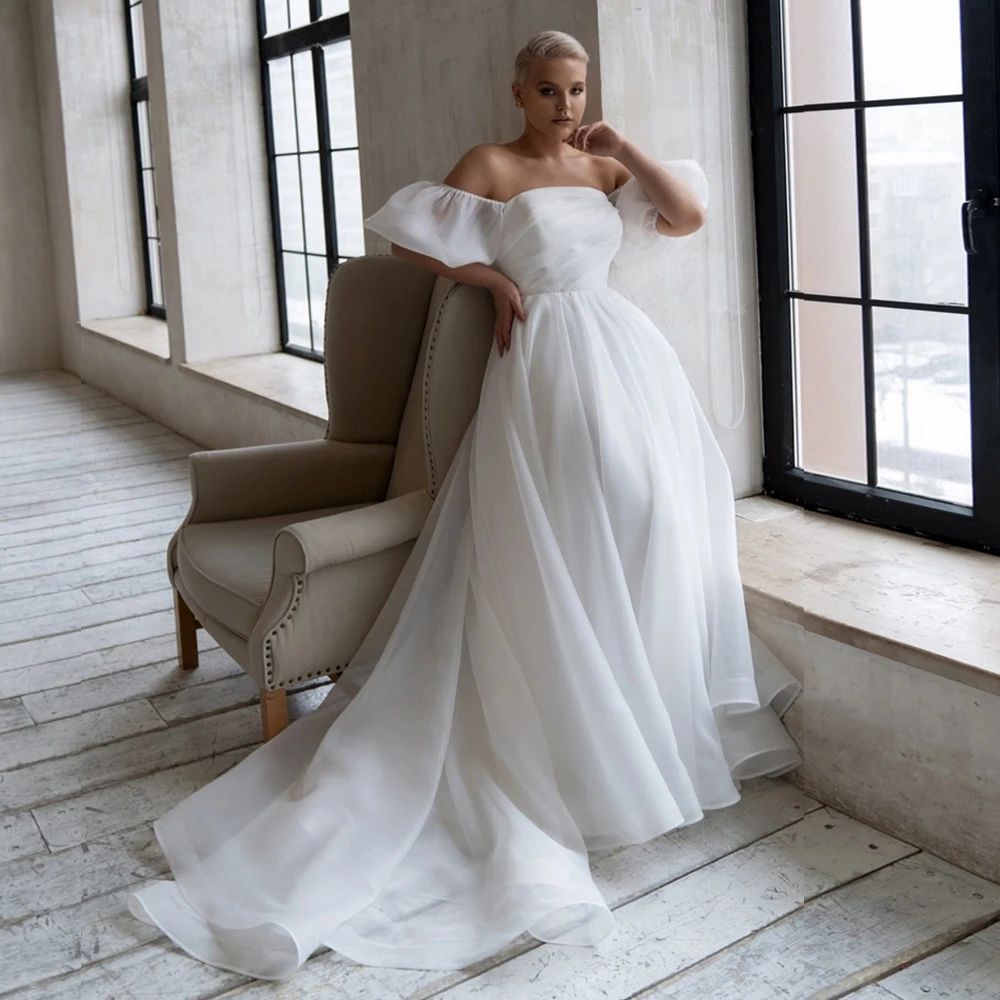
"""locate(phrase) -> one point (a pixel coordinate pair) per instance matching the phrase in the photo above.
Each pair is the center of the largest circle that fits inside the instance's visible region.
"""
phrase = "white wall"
(29, 331)
(674, 80)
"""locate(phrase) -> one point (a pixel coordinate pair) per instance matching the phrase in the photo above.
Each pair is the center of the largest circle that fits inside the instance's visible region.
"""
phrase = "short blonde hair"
(547, 45)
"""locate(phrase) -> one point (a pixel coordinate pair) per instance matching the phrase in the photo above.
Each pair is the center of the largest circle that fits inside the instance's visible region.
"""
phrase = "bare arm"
(681, 211)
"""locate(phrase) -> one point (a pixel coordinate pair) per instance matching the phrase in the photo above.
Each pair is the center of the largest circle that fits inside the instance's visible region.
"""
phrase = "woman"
(565, 662)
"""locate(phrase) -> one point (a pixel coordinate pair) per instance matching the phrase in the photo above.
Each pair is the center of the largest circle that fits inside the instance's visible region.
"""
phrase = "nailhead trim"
(269, 651)
(431, 345)
(268, 645)
(334, 675)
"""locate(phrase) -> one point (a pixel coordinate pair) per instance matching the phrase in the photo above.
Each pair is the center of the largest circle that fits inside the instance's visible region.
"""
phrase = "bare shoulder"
(618, 174)
(479, 169)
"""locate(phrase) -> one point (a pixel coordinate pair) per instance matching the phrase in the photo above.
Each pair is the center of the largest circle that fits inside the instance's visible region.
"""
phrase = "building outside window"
(312, 148)
(875, 171)
(149, 224)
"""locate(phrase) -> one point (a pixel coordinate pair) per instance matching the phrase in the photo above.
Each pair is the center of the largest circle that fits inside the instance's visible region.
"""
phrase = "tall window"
(875, 172)
(312, 146)
(149, 223)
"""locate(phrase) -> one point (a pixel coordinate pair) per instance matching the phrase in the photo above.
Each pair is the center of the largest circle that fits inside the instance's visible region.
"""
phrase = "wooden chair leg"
(273, 712)
(187, 633)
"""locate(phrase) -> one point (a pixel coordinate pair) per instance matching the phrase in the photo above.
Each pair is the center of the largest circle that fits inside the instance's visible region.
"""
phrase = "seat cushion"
(226, 566)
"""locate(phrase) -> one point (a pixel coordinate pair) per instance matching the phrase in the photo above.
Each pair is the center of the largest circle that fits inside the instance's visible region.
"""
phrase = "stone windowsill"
(145, 334)
(931, 605)
(288, 383)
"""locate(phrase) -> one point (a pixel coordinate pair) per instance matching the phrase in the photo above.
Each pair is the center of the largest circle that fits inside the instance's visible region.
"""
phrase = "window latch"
(977, 207)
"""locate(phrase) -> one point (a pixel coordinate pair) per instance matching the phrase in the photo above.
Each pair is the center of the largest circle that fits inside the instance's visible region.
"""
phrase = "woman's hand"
(598, 138)
(507, 299)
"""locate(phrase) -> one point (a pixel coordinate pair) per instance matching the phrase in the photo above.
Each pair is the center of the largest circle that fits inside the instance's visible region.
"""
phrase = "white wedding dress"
(564, 664)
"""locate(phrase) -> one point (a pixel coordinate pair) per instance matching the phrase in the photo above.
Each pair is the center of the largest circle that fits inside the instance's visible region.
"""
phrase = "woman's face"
(555, 95)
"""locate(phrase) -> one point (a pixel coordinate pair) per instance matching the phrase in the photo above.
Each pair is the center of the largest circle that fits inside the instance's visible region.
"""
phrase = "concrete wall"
(907, 751)
(29, 331)
(674, 80)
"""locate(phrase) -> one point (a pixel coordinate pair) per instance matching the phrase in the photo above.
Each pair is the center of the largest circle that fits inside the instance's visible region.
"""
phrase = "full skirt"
(563, 665)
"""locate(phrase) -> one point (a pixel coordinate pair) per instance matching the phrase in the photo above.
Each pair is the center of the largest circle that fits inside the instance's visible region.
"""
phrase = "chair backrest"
(405, 356)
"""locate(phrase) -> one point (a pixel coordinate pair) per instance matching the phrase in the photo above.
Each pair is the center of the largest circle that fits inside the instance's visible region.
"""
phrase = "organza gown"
(564, 664)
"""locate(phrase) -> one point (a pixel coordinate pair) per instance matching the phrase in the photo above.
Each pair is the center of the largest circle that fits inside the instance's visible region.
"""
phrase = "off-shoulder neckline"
(541, 187)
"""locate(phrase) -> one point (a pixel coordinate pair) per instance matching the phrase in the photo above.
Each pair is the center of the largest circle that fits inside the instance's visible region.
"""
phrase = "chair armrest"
(339, 538)
(262, 480)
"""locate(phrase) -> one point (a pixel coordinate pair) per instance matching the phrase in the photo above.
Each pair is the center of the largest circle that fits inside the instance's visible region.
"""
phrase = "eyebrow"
(577, 83)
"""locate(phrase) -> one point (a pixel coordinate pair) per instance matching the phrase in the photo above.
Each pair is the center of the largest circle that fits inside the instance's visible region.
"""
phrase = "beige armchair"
(289, 551)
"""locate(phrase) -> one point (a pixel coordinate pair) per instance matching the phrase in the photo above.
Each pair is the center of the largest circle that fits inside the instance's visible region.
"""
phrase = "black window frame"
(139, 95)
(976, 527)
(312, 37)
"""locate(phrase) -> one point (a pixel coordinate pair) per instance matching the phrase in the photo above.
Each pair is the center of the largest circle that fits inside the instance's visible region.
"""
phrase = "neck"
(541, 145)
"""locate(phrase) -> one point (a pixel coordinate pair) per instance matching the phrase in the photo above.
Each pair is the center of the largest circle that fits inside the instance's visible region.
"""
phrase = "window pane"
(149, 203)
(830, 389)
(289, 203)
(296, 299)
(155, 272)
(819, 61)
(823, 183)
(922, 403)
(331, 7)
(912, 48)
(318, 279)
(347, 195)
(305, 101)
(916, 186)
(275, 16)
(298, 13)
(145, 149)
(138, 40)
(279, 73)
(340, 95)
(312, 194)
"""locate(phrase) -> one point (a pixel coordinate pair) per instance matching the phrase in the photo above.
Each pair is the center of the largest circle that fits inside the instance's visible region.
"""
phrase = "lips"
(563, 121)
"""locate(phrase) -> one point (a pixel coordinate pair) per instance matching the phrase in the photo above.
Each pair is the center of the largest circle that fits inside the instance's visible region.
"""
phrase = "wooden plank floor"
(101, 733)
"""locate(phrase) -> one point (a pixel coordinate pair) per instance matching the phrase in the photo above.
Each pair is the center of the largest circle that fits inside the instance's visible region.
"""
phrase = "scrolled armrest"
(262, 480)
(339, 538)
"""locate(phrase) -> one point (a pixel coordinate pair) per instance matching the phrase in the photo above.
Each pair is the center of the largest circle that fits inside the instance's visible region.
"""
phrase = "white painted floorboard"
(101, 733)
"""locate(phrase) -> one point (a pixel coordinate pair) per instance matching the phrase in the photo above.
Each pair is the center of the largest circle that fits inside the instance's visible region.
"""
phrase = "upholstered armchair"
(289, 551)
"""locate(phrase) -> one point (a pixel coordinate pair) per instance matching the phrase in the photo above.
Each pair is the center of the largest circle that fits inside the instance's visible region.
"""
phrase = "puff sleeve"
(453, 226)
(641, 242)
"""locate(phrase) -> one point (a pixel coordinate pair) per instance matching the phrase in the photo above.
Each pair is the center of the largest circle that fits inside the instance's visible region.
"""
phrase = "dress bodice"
(557, 239)
(545, 239)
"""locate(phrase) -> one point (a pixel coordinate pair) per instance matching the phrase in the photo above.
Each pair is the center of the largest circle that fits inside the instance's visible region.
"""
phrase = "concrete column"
(208, 144)
(29, 334)
(82, 53)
